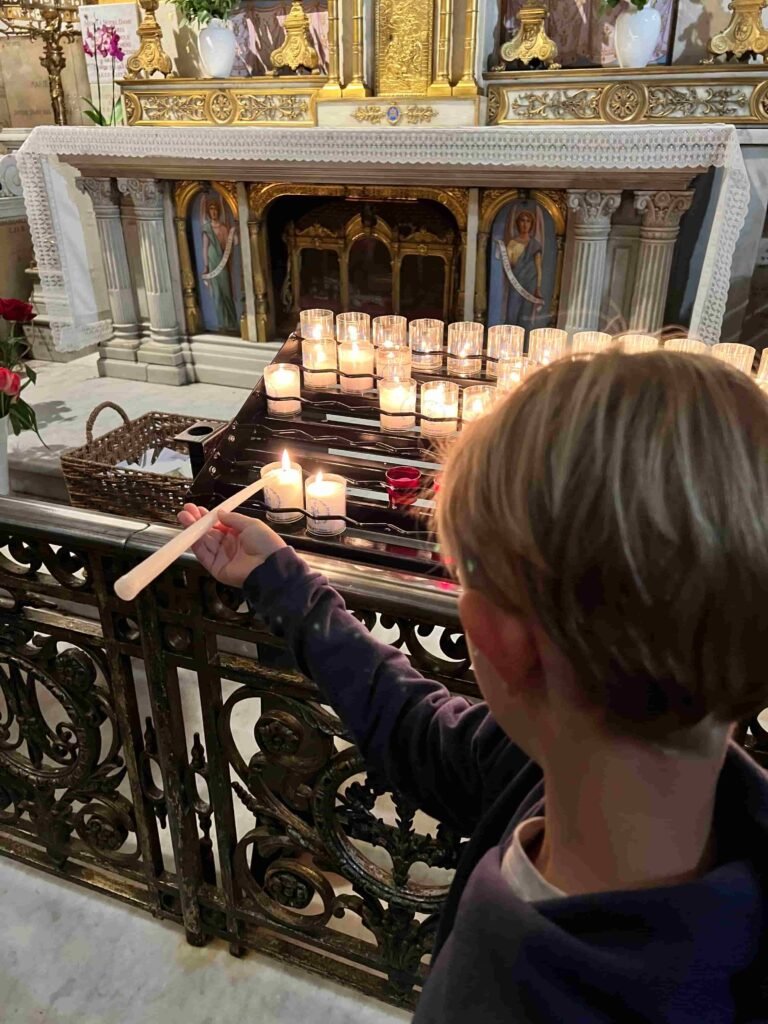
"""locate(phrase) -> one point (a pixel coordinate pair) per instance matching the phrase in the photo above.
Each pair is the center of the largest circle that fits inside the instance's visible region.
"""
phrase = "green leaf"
(31, 374)
(96, 117)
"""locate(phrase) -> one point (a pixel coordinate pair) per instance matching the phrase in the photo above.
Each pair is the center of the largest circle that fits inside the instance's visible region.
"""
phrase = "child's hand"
(234, 547)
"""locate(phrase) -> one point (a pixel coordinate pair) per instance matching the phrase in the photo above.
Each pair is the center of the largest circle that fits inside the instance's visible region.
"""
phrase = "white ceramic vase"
(5, 486)
(216, 43)
(636, 36)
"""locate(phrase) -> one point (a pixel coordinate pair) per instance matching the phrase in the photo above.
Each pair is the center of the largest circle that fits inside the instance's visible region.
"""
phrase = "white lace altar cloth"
(579, 148)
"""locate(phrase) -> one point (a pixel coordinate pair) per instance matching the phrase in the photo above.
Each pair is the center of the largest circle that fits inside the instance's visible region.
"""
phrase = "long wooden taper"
(131, 585)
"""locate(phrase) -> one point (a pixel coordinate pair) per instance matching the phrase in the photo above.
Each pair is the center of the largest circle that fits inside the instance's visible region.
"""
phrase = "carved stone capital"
(592, 207)
(102, 193)
(663, 209)
(146, 193)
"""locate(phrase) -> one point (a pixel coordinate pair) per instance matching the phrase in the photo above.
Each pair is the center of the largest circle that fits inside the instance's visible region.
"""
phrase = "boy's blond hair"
(623, 502)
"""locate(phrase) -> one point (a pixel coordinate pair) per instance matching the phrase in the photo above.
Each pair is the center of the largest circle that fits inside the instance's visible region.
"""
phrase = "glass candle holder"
(687, 345)
(476, 401)
(762, 373)
(426, 338)
(512, 372)
(588, 343)
(356, 358)
(325, 494)
(397, 397)
(465, 348)
(740, 356)
(316, 323)
(353, 327)
(282, 383)
(505, 341)
(284, 488)
(403, 485)
(634, 343)
(394, 362)
(440, 406)
(390, 330)
(319, 354)
(545, 344)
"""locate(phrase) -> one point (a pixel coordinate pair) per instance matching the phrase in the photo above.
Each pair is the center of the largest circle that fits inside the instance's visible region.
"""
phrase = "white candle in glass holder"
(397, 396)
(510, 373)
(635, 343)
(394, 362)
(391, 331)
(319, 354)
(282, 380)
(325, 495)
(353, 327)
(546, 344)
(465, 348)
(356, 357)
(440, 402)
(476, 401)
(284, 488)
(505, 341)
(589, 343)
(740, 356)
(692, 345)
(426, 339)
(316, 323)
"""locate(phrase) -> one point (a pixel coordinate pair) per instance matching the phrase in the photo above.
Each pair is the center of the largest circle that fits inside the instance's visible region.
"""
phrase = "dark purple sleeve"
(431, 746)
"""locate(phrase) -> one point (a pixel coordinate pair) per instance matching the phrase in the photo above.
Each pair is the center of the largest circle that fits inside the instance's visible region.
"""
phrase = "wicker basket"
(95, 482)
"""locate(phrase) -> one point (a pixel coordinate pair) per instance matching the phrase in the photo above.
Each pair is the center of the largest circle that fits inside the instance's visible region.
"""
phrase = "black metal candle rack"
(336, 432)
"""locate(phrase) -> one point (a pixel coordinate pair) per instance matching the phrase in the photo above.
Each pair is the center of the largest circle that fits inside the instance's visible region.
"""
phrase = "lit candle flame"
(285, 461)
(352, 332)
(319, 477)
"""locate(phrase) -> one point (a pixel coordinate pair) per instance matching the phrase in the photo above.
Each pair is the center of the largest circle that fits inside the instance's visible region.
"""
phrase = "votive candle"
(740, 356)
(353, 327)
(589, 343)
(394, 362)
(282, 380)
(476, 401)
(465, 348)
(692, 345)
(426, 337)
(545, 344)
(356, 357)
(390, 330)
(319, 354)
(397, 396)
(440, 401)
(505, 341)
(635, 343)
(325, 494)
(284, 489)
(510, 373)
(316, 323)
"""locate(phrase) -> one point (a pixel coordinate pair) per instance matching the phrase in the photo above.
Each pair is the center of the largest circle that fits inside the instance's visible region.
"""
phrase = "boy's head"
(617, 510)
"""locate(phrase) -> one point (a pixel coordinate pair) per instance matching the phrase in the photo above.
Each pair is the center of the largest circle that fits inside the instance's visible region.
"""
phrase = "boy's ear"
(506, 639)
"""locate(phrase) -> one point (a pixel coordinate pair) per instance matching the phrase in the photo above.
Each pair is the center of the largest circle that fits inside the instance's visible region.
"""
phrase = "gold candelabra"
(53, 21)
(744, 37)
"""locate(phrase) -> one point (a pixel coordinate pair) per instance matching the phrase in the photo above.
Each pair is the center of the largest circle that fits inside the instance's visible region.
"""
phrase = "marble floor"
(69, 956)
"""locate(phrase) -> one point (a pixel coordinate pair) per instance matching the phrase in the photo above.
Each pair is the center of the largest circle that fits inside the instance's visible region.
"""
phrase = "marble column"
(162, 352)
(590, 213)
(661, 212)
(117, 357)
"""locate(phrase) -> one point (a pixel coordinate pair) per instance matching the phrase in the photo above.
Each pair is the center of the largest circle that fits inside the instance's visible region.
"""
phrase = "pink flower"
(88, 43)
(14, 385)
(114, 46)
(5, 380)
(103, 36)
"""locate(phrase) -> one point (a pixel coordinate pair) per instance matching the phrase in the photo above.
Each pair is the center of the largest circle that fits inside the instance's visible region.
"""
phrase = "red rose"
(5, 380)
(14, 385)
(16, 311)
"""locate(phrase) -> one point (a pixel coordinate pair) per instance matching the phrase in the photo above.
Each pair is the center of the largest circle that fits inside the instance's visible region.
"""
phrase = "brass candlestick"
(297, 50)
(744, 37)
(150, 56)
(532, 42)
(54, 22)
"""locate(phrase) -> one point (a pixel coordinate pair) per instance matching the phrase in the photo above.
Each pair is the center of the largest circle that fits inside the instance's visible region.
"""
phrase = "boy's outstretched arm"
(432, 746)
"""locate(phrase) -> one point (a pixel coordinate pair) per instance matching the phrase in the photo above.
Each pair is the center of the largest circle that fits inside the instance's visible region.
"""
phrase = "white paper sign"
(101, 23)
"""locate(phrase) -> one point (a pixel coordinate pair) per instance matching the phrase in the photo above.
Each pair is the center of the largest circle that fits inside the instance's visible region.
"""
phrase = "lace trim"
(603, 148)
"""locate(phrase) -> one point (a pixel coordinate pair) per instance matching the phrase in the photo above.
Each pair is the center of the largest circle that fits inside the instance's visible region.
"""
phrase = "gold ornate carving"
(531, 42)
(403, 47)
(624, 102)
(414, 113)
(369, 113)
(667, 101)
(221, 108)
(744, 36)
(150, 56)
(274, 107)
(440, 84)
(494, 104)
(467, 84)
(759, 103)
(131, 107)
(356, 86)
(174, 107)
(556, 105)
(297, 50)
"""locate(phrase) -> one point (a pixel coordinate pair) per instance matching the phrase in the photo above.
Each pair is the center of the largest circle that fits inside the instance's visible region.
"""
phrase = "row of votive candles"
(322, 495)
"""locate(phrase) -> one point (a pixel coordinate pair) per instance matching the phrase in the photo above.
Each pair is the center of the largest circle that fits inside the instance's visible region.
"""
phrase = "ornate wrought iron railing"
(167, 753)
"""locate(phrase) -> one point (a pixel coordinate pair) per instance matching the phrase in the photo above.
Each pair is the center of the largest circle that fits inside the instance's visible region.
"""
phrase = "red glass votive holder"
(403, 485)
